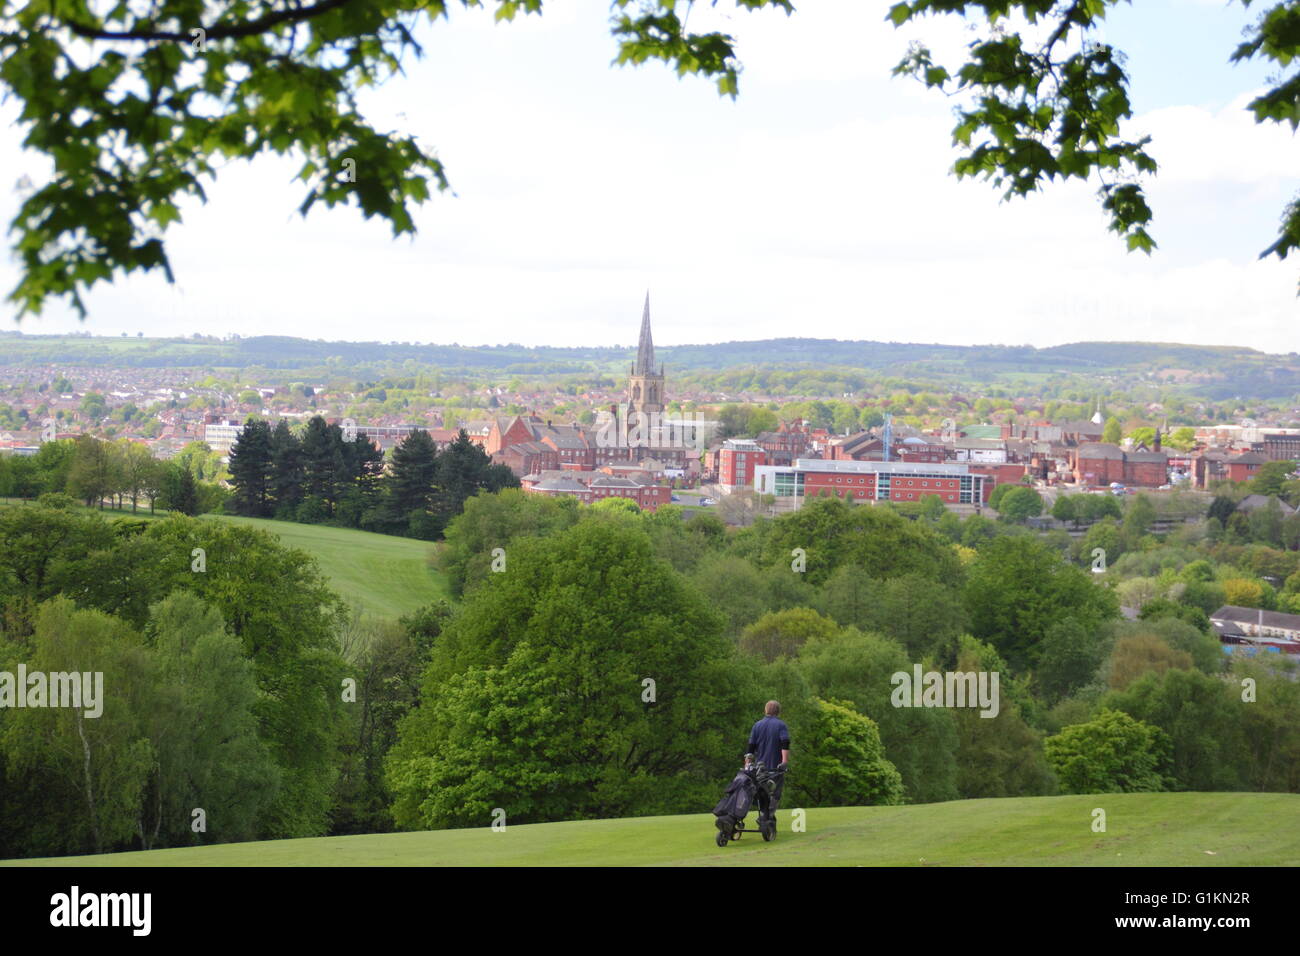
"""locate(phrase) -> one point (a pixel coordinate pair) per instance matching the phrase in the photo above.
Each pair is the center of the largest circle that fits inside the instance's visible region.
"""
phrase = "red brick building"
(386, 436)
(528, 457)
(592, 486)
(1244, 467)
(860, 447)
(784, 445)
(1097, 464)
(1209, 466)
(556, 484)
(505, 432)
(865, 447)
(573, 449)
(737, 460)
(1282, 446)
(920, 450)
(649, 497)
(954, 484)
(1146, 469)
(1000, 474)
(529, 445)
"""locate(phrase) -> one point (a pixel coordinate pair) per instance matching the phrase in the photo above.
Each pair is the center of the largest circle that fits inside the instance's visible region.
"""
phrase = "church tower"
(645, 388)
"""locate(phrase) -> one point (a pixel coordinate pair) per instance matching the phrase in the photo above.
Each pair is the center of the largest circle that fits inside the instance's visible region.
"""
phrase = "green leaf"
(935, 76)
(164, 213)
(1140, 240)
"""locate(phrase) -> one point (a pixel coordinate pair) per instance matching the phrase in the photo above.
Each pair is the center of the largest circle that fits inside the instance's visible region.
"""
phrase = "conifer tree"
(251, 470)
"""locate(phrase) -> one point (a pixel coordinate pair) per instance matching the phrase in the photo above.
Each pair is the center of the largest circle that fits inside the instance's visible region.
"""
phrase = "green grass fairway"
(1148, 829)
(383, 574)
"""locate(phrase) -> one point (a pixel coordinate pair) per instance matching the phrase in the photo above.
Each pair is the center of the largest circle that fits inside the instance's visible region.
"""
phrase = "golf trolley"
(754, 785)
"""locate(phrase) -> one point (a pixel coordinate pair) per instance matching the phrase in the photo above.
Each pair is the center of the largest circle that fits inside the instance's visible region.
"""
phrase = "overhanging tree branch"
(261, 25)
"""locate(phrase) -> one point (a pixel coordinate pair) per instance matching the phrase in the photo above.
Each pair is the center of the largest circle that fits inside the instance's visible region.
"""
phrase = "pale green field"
(1160, 829)
(382, 574)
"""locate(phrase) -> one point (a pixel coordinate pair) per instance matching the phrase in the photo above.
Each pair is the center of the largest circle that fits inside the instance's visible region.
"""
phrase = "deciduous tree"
(1112, 753)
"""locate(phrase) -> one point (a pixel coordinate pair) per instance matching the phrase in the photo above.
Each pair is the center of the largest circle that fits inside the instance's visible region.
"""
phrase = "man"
(769, 742)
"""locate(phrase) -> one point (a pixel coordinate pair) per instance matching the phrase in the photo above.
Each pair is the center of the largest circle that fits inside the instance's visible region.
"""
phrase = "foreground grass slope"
(1157, 829)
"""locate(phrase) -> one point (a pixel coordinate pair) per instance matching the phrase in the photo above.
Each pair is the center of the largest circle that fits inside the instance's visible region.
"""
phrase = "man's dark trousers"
(773, 799)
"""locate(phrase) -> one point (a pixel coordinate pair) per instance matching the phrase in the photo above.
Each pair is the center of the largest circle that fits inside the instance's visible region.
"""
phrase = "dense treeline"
(327, 476)
(220, 684)
(95, 471)
(235, 684)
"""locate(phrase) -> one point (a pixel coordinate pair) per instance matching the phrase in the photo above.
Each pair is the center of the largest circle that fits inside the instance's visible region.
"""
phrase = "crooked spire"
(645, 349)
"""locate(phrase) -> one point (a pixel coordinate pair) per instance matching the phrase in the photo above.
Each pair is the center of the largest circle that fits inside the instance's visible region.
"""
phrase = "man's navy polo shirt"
(768, 738)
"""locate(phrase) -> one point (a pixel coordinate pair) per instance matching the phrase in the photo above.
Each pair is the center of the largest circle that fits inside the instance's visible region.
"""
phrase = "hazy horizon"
(631, 345)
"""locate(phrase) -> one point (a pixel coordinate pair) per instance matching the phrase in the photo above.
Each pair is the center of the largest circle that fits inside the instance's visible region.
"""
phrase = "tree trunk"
(89, 785)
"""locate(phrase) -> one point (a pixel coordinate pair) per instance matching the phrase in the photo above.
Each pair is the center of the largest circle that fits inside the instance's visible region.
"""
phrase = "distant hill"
(1215, 371)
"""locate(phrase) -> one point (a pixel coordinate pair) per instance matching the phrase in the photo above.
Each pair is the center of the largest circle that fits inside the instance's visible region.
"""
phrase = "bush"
(1112, 753)
(1020, 502)
(56, 499)
(313, 510)
(842, 762)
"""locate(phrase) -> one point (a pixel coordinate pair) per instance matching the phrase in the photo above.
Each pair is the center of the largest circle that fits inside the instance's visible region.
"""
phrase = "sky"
(819, 203)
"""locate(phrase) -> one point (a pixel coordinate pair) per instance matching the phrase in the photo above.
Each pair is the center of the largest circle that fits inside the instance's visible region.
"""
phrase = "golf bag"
(735, 803)
(753, 786)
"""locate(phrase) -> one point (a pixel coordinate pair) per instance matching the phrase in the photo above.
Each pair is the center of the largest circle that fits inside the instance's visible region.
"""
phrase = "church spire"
(645, 350)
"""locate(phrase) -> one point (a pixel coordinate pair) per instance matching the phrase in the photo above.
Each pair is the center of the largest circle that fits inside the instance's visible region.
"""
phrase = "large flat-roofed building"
(387, 436)
(221, 436)
(872, 481)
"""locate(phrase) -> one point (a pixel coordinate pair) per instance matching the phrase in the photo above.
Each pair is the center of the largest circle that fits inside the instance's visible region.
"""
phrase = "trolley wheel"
(722, 839)
(768, 829)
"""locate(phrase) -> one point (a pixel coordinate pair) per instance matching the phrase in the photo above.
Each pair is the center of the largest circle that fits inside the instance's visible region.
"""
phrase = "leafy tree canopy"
(1035, 110)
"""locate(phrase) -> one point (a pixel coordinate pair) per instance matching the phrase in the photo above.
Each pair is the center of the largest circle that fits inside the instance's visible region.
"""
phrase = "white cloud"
(1194, 144)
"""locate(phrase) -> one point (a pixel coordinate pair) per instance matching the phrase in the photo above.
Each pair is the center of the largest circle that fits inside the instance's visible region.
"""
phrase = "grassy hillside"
(382, 574)
(1156, 829)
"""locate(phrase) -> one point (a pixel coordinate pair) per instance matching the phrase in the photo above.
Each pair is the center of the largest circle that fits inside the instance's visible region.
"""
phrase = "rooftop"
(871, 467)
(1252, 615)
